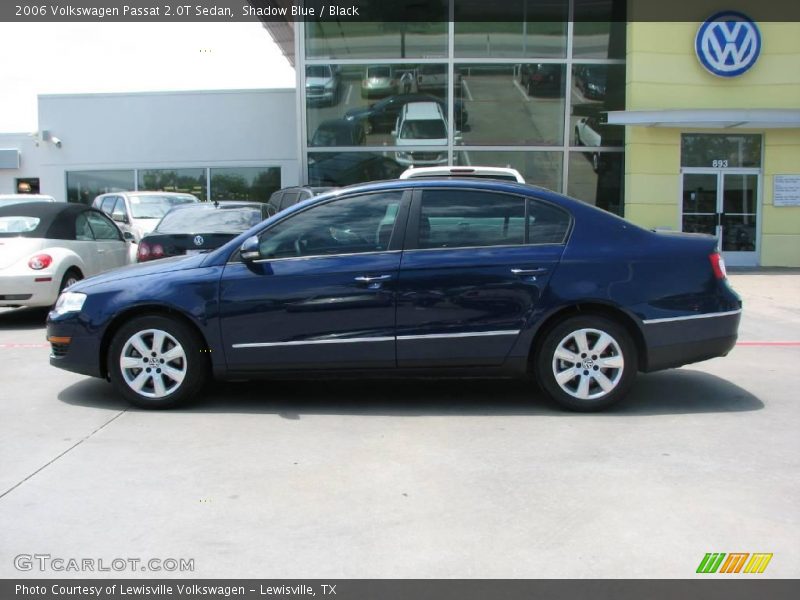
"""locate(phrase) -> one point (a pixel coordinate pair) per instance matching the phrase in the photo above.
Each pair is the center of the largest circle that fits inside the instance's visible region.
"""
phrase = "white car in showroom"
(46, 247)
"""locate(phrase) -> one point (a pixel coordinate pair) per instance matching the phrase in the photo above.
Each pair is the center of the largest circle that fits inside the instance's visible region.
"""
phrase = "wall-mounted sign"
(728, 43)
(786, 190)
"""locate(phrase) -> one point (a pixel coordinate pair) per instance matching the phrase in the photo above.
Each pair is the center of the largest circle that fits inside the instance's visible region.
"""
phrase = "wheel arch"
(601, 309)
(140, 311)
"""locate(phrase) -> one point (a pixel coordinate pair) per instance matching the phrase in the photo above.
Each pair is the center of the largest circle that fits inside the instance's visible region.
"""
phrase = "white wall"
(158, 130)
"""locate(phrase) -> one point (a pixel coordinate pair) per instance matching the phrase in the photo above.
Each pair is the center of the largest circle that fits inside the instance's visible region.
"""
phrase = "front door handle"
(368, 279)
(539, 271)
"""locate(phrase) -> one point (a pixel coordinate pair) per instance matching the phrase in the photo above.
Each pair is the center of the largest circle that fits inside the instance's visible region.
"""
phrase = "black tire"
(589, 367)
(71, 276)
(193, 364)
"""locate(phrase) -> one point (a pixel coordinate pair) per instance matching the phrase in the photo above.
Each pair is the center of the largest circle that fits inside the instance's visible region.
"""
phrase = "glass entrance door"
(723, 203)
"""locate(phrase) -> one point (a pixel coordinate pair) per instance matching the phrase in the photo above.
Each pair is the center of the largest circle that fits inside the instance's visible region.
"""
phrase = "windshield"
(155, 207)
(429, 129)
(327, 137)
(318, 71)
(203, 220)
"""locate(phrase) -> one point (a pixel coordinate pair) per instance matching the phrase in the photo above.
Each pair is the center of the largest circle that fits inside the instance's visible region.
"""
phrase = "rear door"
(475, 266)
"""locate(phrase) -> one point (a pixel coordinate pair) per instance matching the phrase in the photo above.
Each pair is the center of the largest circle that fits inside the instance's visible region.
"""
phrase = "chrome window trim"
(270, 260)
(691, 317)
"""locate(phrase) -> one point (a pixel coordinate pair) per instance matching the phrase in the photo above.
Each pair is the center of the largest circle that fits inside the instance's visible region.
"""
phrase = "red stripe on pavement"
(11, 346)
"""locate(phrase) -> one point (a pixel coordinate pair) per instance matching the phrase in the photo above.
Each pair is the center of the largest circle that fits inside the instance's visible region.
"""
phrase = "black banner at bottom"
(400, 589)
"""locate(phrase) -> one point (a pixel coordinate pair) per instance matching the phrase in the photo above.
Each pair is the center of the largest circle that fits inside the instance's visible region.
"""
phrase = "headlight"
(69, 302)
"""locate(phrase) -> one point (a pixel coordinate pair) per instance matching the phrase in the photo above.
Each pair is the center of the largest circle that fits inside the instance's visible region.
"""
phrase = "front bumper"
(681, 341)
(25, 290)
(72, 347)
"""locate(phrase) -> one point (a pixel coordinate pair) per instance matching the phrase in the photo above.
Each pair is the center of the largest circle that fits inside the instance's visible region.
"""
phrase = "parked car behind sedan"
(410, 277)
(289, 196)
(9, 199)
(46, 247)
(378, 81)
(197, 228)
(139, 212)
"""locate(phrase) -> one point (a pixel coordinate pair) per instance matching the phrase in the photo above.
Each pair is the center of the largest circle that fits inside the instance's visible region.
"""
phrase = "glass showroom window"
(190, 181)
(522, 28)
(512, 104)
(347, 168)
(596, 177)
(245, 183)
(84, 186)
(541, 168)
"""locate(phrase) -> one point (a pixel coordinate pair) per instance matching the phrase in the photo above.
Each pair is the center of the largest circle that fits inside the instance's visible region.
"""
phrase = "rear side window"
(289, 199)
(462, 219)
(471, 218)
(547, 224)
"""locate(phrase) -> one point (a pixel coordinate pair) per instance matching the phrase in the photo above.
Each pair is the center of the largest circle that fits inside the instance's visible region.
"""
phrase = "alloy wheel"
(153, 363)
(588, 364)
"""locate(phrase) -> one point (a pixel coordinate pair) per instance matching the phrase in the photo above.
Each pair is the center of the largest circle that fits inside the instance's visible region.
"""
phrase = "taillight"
(718, 265)
(143, 252)
(149, 252)
(40, 261)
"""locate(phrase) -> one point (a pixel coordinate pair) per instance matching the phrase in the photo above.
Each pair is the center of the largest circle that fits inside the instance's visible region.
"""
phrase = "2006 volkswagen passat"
(442, 277)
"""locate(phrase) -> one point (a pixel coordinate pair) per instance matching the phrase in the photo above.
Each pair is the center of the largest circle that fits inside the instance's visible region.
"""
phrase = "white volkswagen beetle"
(46, 247)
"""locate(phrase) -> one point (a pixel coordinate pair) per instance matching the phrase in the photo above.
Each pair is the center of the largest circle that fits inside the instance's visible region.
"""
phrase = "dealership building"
(687, 126)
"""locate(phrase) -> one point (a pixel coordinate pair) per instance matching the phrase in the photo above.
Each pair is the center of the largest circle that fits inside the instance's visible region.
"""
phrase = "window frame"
(396, 241)
(412, 228)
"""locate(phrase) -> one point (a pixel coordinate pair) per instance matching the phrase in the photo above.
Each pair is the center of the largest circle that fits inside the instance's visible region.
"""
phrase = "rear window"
(155, 207)
(13, 226)
(378, 72)
(221, 220)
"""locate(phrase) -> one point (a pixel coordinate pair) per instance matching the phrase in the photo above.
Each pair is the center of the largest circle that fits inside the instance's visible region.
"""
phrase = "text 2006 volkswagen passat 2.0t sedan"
(431, 277)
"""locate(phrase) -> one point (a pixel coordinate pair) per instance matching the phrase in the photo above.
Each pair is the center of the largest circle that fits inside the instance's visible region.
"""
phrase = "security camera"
(56, 141)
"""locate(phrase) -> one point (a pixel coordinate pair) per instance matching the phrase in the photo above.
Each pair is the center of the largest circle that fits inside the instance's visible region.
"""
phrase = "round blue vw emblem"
(728, 43)
(198, 240)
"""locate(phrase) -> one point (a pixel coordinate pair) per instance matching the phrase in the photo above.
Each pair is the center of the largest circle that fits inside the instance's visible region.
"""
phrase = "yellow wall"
(664, 73)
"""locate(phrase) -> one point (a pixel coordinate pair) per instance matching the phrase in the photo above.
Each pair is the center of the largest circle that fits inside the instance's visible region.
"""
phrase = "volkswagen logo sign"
(198, 240)
(728, 43)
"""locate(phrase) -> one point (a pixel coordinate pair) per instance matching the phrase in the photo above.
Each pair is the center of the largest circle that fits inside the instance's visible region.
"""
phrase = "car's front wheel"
(586, 363)
(157, 362)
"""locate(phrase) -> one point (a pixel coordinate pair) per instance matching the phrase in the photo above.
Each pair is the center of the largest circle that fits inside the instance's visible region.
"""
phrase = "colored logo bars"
(716, 562)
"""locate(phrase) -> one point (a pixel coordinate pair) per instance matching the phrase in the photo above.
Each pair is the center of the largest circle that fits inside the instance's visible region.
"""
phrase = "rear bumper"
(684, 340)
(25, 290)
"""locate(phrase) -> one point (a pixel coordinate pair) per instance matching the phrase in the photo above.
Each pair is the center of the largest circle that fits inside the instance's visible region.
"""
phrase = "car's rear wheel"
(157, 362)
(586, 363)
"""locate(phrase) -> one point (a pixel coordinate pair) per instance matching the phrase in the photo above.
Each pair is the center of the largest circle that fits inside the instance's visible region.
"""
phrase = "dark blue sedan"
(417, 277)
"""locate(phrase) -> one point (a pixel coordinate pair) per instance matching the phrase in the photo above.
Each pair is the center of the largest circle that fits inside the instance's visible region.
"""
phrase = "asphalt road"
(411, 479)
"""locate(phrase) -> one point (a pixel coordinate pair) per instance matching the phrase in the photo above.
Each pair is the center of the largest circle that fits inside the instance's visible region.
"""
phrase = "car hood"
(164, 265)
(358, 113)
(312, 81)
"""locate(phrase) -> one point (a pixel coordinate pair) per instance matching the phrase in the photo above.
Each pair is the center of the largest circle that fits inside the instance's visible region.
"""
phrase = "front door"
(323, 293)
(724, 203)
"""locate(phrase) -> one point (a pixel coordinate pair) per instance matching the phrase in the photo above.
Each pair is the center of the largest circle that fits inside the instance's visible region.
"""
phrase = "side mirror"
(249, 249)
(119, 217)
(128, 237)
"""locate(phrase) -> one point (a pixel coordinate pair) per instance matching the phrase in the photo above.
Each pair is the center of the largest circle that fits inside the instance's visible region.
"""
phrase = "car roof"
(422, 110)
(147, 193)
(219, 204)
(31, 197)
(42, 210)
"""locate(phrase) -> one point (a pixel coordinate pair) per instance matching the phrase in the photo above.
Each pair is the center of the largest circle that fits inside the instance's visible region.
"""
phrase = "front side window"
(83, 232)
(102, 228)
(348, 226)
